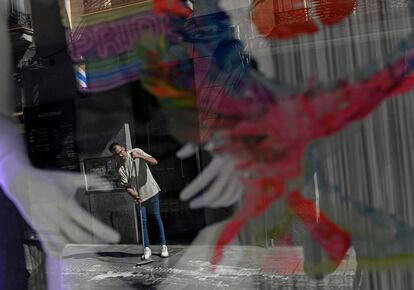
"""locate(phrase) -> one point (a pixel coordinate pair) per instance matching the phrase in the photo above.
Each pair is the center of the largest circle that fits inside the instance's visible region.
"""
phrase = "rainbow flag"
(107, 44)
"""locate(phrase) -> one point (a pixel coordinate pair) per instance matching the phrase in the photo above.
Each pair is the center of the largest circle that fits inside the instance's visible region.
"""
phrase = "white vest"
(141, 180)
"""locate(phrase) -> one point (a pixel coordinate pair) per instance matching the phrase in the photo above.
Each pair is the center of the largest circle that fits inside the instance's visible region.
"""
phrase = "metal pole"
(140, 216)
(139, 204)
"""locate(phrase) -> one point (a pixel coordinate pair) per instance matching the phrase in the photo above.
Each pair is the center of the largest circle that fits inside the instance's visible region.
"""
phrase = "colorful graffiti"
(104, 43)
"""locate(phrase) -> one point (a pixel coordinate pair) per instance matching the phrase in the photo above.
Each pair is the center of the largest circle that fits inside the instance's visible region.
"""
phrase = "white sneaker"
(164, 251)
(147, 253)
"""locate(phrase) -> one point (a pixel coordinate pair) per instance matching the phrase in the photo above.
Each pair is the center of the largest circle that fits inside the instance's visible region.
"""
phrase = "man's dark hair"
(112, 146)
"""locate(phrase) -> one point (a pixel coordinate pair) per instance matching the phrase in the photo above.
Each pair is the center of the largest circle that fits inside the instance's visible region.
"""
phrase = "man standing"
(147, 191)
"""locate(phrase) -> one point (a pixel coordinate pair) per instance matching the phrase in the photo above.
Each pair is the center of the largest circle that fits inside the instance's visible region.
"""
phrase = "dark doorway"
(150, 132)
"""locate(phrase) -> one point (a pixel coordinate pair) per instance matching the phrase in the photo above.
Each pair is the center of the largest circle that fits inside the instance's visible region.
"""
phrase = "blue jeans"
(152, 205)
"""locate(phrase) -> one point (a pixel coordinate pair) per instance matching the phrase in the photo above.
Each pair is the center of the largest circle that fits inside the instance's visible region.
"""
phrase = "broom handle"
(139, 206)
(142, 226)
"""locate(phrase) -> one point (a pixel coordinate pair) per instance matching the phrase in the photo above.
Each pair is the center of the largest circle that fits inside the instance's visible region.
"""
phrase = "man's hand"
(134, 194)
(135, 155)
(151, 160)
(138, 199)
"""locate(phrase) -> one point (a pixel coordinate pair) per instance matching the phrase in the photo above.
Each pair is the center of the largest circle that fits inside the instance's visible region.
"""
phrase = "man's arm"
(127, 185)
(148, 158)
(133, 193)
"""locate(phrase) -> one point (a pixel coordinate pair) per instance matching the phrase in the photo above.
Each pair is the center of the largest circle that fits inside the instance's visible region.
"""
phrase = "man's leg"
(157, 216)
(143, 214)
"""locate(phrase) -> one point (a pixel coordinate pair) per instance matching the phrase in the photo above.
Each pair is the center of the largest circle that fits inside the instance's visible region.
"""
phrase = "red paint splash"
(272, 143)
(269, 139)
(332, 239)
(265, 191)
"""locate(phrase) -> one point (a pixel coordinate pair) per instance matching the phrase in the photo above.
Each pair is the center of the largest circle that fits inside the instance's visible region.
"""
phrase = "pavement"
(101, 267)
